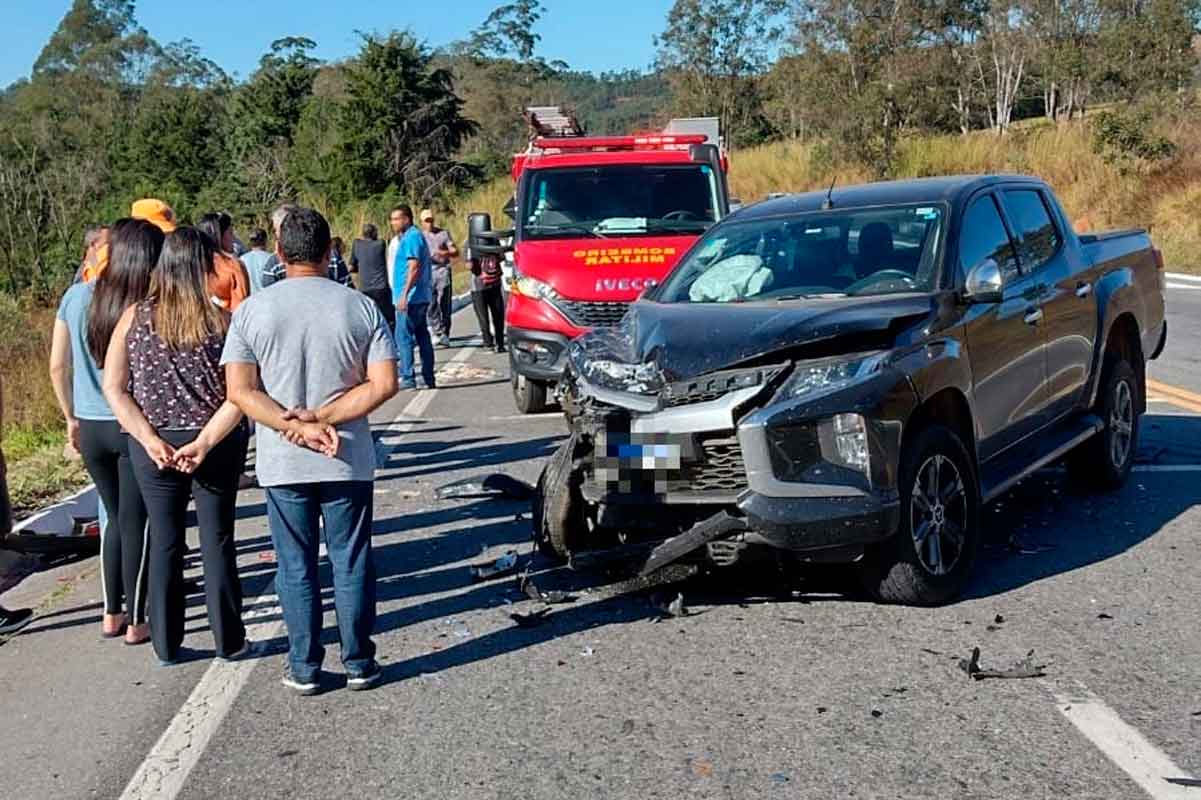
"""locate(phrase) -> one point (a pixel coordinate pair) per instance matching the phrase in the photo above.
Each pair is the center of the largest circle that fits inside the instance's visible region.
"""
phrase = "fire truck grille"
(592, 315)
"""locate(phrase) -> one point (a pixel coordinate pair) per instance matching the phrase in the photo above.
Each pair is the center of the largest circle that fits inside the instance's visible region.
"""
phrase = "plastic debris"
(504, 565)
(552, 598)
(779, 777)
(496, 485)
(1026, 668)
(587, 652)
(669, 609)
(532, 620)
(1103, 615)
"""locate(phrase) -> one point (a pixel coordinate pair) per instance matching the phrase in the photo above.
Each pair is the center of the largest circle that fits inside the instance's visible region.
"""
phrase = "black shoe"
(500, 348)
(14, 620)
(366, 680)
(489, 345)
(303, 688)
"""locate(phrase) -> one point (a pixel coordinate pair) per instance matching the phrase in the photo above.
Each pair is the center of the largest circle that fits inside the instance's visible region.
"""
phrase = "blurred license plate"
(657, 455)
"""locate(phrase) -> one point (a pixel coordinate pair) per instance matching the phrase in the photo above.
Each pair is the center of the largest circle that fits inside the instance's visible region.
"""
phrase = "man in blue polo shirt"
(412, 292)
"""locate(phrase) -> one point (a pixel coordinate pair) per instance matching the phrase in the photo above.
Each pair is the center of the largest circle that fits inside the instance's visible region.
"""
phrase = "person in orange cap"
(156, 212)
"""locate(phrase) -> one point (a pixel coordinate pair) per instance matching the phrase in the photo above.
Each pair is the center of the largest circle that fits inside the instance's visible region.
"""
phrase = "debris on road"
(669, 609)
(504, 565)
(552, 598)
(587, 652)
(1026, 668)
(495, 486)
(1103, 615)
(532, 620)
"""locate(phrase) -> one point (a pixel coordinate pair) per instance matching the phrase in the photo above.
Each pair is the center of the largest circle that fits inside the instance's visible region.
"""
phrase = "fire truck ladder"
(552, 122)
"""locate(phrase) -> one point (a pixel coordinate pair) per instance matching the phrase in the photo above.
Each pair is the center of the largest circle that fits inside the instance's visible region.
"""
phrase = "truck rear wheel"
(528, 394)
(558, 509)
(1105, 460)
(929, 559)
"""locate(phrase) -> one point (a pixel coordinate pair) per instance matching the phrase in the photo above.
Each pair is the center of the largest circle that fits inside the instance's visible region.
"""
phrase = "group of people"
(173, 342)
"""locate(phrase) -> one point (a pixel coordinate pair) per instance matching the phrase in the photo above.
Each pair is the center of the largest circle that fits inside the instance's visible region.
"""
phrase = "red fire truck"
(597, 220)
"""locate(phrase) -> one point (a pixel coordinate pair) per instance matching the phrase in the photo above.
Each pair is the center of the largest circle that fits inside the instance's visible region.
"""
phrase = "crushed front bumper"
(768, 462)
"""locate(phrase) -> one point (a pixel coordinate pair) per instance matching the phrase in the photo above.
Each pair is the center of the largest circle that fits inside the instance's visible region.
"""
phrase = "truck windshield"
(625, 200)
(877, 250)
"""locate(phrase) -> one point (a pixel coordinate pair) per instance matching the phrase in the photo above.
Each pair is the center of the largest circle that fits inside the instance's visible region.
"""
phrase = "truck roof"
(598, 159)
(949, 189)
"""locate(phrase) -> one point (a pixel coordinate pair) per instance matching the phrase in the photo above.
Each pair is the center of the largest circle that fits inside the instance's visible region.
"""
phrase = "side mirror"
(510, 209)
(984, 283)
(735, 204)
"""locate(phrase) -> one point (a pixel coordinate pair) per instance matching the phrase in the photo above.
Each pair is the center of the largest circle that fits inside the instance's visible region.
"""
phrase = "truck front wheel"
(558, 509)
(930, 558)
(529, 395)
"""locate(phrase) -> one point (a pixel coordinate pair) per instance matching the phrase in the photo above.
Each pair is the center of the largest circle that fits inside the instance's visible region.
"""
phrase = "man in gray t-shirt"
(309, 360)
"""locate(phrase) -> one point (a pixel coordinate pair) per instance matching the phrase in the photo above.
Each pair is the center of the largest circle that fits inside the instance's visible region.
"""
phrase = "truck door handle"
(1084, 289)
(1033, 316)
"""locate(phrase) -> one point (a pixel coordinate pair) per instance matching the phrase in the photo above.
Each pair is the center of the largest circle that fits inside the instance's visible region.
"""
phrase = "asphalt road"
(770, 689)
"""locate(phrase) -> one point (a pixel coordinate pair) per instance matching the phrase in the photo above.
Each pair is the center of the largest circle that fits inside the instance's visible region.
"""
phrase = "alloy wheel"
(1121, 424)
(938, 514)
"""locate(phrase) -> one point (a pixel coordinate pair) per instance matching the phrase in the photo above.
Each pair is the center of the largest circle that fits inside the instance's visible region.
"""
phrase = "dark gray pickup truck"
(849, 376)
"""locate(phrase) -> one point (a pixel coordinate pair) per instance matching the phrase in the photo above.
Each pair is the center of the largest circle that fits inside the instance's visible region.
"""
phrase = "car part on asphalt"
(496, 485)
(670, 608)
(675, 548)
(531, 620)
(505, 565)
(1026, 668)
(526, 586)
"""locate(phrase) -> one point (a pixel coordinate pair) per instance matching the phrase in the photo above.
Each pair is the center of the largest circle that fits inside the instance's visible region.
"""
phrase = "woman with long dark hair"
(87, 316)
(165, 384)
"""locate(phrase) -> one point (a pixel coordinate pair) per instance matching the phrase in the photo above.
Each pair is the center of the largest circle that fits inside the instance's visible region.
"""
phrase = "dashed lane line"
(168, 764)
(1129, 750)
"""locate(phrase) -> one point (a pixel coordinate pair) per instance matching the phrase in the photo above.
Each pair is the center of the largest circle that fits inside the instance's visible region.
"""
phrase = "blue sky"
(586, 34)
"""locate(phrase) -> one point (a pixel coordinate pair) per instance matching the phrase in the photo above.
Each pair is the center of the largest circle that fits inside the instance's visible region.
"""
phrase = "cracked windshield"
(883, 250)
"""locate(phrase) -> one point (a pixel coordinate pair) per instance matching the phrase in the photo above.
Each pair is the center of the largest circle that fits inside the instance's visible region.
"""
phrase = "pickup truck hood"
(679, 341)
(616, 269)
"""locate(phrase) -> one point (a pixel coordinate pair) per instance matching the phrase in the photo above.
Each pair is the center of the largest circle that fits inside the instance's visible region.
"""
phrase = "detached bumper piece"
(715, 527)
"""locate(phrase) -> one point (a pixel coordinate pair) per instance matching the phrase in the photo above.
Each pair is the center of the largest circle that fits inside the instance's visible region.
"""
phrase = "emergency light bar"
(651, 142)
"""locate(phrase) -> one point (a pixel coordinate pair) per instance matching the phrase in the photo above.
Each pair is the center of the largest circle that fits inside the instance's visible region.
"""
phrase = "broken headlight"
(813, 377)
(636, 378)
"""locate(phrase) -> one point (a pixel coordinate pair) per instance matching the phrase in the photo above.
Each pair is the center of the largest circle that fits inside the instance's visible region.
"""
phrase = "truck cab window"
(984, 236)
(1039, 240)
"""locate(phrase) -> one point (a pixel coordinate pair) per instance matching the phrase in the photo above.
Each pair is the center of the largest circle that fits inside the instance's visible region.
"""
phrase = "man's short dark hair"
(258, 238)
(304, 237)
(406, 210)
(370, 231)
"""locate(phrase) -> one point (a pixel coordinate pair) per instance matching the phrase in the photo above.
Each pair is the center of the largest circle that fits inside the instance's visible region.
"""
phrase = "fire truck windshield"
(618, 200)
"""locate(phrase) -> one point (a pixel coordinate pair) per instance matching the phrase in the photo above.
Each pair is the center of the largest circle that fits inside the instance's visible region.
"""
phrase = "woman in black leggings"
(164, 382)
(86, 318)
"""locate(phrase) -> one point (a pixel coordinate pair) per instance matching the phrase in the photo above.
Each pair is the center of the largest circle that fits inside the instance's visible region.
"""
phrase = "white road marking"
(1147, 765)
(168, 764)
(1167, 468)
(1180, 276)
(1194, 286)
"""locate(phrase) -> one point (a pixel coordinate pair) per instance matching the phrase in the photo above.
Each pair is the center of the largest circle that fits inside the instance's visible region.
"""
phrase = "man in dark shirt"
(368, 259)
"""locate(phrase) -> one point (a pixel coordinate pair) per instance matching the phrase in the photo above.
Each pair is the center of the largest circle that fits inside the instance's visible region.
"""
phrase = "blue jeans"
(294, 513)
(412, 329)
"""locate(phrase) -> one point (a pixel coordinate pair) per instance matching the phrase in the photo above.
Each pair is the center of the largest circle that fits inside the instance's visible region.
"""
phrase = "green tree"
(714, 53)
(100, 37)
(402, 124)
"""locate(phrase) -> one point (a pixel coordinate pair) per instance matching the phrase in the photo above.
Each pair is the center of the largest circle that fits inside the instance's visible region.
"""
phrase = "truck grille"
(721, 470)
(585, 314)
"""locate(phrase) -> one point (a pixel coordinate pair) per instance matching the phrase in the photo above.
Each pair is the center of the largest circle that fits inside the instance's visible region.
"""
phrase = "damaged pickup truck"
(849, 376)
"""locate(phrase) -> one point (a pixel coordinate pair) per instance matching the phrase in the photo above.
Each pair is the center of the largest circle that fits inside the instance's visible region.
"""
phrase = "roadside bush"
(1126, 138)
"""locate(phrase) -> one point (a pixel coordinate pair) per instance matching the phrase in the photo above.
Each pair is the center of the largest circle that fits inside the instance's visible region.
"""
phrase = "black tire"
(902, 571)
(528, 394)
(1104, 461)
(558, 508)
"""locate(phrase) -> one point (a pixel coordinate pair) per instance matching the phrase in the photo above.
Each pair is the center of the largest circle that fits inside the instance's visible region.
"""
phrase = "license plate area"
(642, 463)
